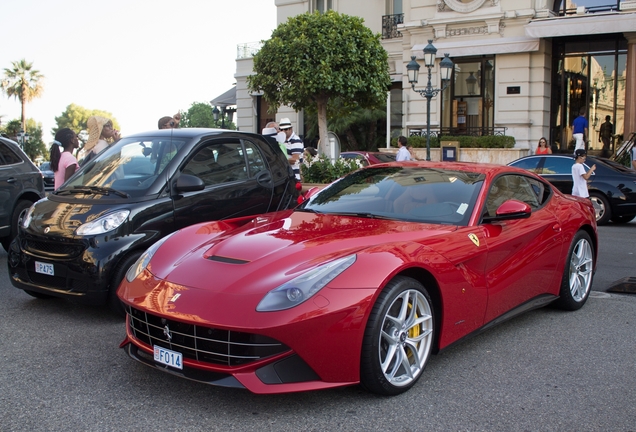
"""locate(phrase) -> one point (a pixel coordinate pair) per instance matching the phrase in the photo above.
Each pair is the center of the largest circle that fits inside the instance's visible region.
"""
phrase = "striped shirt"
(295, 146)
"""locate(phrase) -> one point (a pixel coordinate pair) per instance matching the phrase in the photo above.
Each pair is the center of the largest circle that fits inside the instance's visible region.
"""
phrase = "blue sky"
(138, 59)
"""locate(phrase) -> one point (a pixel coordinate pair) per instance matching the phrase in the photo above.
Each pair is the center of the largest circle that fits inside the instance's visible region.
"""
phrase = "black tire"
(15, 217)
(601, 208)
(38, 294)
(623, 219)
(119, 274)
(576, 282)
(397, 333)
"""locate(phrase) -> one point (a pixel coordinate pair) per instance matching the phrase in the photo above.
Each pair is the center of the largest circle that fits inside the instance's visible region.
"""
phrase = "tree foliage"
(75, 118)
(200, 114)
(34, 147)
(313, 58)
(23, 83)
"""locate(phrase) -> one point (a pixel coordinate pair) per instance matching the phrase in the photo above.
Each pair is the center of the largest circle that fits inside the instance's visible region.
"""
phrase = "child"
(579, 176)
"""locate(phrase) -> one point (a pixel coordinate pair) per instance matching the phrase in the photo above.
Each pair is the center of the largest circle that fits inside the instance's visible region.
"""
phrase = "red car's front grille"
(204, 344)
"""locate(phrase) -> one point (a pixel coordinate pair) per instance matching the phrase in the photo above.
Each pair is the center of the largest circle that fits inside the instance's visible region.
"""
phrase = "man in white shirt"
(403, 153)
(579, 176)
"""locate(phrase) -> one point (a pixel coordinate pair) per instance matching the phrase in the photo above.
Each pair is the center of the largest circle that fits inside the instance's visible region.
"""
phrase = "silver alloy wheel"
(406, 338)
(581, 263)
(599, 207)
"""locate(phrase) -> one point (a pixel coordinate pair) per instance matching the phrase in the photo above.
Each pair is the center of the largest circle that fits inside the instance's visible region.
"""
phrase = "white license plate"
(44, 268)
(169, 358)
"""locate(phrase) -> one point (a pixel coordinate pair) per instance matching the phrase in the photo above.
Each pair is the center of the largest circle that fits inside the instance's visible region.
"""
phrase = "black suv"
(80, 240)
(20, 186)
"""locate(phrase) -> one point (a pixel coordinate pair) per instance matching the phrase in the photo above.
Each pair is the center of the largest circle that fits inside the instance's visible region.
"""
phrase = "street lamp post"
(223, 112)
(413, 68)
(23, 138)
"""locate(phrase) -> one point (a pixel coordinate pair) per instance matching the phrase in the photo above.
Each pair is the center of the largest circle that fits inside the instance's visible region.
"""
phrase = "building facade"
(521, 67)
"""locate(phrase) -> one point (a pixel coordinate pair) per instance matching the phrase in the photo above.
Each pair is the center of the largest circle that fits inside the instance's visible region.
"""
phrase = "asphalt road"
(61, 370)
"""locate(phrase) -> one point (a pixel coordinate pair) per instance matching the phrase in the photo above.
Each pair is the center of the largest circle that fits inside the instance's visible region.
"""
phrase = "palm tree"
(23, 83)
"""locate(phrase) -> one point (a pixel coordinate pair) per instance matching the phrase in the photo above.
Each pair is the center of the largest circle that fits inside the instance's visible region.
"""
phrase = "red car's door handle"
(556, 227)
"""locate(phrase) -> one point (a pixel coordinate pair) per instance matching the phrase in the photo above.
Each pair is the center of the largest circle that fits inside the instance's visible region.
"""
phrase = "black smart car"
(80, 240)
(612, 186)
(20, 186)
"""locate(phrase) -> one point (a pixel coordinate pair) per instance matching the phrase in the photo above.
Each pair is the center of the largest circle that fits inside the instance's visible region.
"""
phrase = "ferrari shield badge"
(474, 239)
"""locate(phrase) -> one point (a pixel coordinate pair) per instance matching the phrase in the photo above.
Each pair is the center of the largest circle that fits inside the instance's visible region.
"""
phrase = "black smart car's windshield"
(411, 194)
(127, 169)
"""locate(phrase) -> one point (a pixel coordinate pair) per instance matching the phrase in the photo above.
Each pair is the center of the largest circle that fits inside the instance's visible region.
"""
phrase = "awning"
(481, 47)
(597, 23)
(226, 99)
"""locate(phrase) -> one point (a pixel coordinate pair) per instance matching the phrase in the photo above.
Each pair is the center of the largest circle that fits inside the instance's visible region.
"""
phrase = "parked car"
(369, 158)
(79, 241)
(612, 186)
(362, 282)
(48, 175)
(21, 185)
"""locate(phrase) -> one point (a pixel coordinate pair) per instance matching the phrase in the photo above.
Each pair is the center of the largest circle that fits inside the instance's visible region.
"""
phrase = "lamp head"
(413, 70)
(429, 54)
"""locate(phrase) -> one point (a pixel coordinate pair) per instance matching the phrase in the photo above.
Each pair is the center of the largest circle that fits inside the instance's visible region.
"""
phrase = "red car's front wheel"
(398, 338)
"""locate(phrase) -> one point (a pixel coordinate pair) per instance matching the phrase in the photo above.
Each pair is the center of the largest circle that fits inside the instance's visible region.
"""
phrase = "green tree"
(34, 147)
(200, 114)
(313, 58)
(23, 83)
(75, 118)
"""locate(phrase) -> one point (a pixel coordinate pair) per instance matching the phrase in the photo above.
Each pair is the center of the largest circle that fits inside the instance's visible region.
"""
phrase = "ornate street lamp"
(413, 68)
(215, 114)
(23, 138)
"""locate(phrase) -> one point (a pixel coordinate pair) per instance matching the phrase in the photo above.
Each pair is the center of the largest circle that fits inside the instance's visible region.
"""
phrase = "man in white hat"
(295, 146)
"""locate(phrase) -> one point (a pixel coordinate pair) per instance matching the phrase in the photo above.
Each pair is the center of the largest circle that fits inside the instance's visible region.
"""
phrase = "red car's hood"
(273, 248)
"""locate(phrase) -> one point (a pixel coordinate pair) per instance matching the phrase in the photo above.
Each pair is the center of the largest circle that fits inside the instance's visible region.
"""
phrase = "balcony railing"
(590, 9)
(247, 50)
(450, 131)
(389, 26)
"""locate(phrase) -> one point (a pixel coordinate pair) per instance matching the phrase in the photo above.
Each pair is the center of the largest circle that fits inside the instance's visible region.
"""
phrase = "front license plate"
(169, 358)
(44, 268)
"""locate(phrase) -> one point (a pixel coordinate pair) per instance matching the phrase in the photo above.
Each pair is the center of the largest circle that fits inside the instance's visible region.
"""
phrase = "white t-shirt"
(579, 188)
(403, 154)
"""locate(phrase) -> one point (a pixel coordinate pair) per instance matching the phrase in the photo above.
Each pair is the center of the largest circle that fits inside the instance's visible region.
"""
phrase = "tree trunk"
(23, 101)
(322, 125)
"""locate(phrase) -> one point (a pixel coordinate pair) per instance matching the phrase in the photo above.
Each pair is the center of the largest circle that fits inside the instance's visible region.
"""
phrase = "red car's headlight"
(302, 288)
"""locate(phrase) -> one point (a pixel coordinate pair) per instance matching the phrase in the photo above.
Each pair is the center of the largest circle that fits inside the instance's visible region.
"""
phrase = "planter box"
(498, 156)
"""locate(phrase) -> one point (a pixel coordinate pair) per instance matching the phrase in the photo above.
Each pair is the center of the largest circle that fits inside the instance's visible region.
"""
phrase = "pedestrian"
(579, 130)
(579, 176)
(605, 133)
(294, 144)
(543, 147)
(412, 153)
(64, 164)
(403, 150)
(272, 132)
(168, 122)
(101, 134)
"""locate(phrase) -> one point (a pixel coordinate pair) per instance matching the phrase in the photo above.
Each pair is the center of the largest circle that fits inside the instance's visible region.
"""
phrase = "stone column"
(630, 86)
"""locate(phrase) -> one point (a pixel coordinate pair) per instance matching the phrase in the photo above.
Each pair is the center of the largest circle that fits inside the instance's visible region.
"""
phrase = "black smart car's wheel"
(398, 339)
(118, 275)
(15, 217)
(577, 275)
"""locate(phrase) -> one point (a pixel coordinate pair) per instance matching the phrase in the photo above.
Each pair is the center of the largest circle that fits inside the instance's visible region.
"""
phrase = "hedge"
(484, 141)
